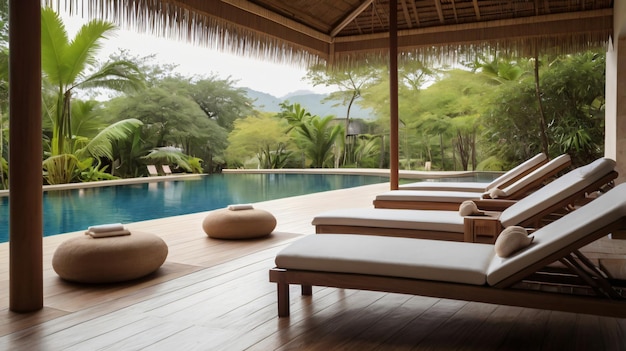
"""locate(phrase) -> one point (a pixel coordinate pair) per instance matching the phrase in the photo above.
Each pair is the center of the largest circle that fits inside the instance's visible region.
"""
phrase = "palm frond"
(102, 144)
(117, 75)
(54, 43)
(167, 155)
(81, 51)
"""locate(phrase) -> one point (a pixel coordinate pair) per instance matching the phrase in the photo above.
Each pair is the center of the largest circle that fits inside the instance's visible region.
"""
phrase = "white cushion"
(515, 172)
(428, 196)
(571, 228)
(538, 173)
(448, 221)
(556, 191)
(389, 256)
(474, 187)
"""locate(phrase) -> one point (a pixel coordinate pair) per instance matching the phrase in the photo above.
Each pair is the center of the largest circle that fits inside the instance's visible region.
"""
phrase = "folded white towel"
(240, 207)
(106, 227)
(107, 234)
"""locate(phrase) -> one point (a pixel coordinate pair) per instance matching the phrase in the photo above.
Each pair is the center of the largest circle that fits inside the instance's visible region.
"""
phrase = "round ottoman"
(240, 224)
(111, 259)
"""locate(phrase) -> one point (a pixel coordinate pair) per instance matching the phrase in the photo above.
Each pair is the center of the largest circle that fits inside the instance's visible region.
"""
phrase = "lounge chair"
(166, 170)
(466, 271)
(501, 182)
(152, 170)
(450, 200)
(558, 196)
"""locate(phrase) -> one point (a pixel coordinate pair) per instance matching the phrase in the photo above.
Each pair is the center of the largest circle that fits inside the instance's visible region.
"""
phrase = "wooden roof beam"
(354, 14)
(417, 16)
(439, 11)
(476, 10)
(456, 17)
(407, 16)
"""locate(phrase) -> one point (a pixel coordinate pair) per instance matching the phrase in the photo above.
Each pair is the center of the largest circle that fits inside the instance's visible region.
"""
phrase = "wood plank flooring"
(216, 295)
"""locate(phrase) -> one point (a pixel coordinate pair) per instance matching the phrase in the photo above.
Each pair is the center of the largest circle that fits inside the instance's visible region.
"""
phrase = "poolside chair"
(152, 170)
(450, 200)
(555, 198)
(166, 170)
(466, 271)
(480, 187)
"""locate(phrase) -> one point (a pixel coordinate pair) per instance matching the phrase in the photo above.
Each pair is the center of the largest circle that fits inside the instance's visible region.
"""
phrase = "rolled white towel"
(240, 207)
(106, 228)
(108, 234)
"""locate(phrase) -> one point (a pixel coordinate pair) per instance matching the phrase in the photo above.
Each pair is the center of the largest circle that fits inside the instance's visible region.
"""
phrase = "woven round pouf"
(240, 224)
(112, 259)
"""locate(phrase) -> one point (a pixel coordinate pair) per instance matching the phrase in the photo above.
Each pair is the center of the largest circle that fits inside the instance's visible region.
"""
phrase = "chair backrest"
(534, 179)
(152, 170)
(517, 172)
(555, 192)
(571, 232)
(166, 169)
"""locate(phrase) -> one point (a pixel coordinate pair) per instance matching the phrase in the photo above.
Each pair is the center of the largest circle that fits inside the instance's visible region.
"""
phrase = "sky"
(277, 80)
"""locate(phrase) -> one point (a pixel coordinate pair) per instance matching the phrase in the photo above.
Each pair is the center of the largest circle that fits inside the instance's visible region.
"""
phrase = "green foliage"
(168, 155)
(573, 100)
(268, 147)
(316, 137)
(492, 163)
(70, 64)
(367, 151)
(61, 169)
(94, 174)
(195, 165)
(220, 101)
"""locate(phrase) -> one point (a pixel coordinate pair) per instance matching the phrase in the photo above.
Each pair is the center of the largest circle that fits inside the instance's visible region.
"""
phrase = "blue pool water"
(73, 210)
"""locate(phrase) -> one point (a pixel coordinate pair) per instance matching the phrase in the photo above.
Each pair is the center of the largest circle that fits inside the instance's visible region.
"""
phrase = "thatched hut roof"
(305, 32)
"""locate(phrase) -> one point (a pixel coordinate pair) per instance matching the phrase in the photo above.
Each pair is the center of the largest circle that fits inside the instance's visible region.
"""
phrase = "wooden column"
(393, 95)
(25, 155)
(615, 107)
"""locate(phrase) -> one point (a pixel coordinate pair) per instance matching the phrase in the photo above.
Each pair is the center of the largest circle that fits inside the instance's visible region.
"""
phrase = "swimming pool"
(76, 209)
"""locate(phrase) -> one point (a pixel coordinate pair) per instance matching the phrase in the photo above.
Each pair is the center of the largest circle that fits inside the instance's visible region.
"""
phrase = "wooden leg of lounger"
(307, 290)
(283, 299)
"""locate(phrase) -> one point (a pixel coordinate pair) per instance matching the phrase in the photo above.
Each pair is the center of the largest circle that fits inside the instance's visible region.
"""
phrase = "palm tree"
(70, 64)
(317, 136)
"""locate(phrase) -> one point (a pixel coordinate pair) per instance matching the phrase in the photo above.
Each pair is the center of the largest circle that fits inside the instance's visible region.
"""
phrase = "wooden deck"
(215, 295)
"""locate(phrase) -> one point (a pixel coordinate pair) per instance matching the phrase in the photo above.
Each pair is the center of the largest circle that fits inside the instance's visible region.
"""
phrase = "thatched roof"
(305, 32)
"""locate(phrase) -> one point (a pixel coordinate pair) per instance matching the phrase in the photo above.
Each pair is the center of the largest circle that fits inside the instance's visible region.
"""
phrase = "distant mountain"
(310, 101)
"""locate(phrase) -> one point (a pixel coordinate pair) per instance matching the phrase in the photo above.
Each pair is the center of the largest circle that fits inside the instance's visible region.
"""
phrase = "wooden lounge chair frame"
(599, 296)
(483, 229)
(453, 204)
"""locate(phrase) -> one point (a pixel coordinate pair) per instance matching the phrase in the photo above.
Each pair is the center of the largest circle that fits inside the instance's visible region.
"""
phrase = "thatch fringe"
(174, 20)
(455, 53)
(168, 20)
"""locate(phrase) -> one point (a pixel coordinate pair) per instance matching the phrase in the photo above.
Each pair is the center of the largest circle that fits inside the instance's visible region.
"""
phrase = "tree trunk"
(443, 164)
(544, 136)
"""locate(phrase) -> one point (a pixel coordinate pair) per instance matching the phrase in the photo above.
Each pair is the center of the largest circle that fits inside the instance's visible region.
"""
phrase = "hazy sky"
(264, 76)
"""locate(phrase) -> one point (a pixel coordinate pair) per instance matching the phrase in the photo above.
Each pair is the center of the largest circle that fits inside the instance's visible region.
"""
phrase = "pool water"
(74, 210)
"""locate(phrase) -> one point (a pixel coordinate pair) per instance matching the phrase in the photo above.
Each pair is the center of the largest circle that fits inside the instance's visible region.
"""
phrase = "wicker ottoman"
(107, 260)
(241, 224)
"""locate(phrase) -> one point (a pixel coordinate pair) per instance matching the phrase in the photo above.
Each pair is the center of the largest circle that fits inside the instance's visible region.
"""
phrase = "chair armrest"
(482, 229)
(494, 204)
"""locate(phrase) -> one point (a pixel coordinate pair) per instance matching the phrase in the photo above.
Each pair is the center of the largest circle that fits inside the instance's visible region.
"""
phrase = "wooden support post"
(393, 95)
(25, 155)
